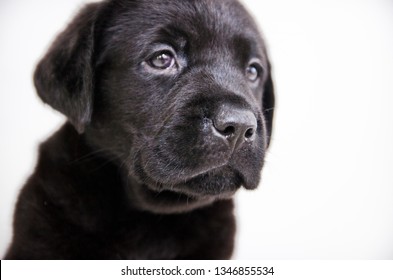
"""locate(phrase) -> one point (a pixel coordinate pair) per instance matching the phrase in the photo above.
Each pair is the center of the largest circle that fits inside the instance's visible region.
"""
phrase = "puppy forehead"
(208, 12)
(203, 22)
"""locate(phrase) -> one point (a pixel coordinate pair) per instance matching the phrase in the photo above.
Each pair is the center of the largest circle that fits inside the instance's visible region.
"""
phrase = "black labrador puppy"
(169, 107)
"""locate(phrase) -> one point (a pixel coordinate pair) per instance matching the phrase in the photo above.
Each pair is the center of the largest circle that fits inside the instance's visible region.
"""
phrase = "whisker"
(92, 154)
(268, 109)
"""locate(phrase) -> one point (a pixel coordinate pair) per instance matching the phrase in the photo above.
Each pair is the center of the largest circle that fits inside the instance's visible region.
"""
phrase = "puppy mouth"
(214, 176)
(184, 170)
(201, 190)
(218, 181)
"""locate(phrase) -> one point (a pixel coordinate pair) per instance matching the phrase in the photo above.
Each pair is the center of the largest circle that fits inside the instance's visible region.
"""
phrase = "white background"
(327, 189)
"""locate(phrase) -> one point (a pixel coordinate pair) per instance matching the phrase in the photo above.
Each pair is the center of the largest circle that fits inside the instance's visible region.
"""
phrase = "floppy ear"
(64, 77)
(268, 104)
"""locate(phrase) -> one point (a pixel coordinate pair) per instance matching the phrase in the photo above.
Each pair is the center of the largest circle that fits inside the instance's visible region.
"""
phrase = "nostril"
(249, 133)
(229, 131)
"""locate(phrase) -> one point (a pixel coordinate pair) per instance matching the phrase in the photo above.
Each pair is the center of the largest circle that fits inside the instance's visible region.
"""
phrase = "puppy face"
(178, 92)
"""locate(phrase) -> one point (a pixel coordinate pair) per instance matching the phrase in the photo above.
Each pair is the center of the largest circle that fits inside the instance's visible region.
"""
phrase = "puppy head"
(179, 92)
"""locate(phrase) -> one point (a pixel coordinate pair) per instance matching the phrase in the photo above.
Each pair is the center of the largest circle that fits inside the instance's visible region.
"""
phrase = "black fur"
(140, 171)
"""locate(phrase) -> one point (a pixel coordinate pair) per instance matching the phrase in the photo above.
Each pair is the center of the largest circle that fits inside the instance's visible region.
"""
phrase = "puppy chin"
(186, 191)
(143, 198)
(172, 197)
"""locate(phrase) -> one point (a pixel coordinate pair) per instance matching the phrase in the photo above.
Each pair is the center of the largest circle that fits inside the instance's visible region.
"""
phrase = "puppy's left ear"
(64, 77)
(268, 101)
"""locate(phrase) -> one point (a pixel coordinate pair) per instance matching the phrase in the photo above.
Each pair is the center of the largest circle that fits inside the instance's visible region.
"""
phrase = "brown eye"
(163, 60)
(253, 72)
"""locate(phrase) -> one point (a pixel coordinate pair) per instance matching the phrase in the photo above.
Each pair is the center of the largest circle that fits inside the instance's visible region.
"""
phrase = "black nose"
(236, 125)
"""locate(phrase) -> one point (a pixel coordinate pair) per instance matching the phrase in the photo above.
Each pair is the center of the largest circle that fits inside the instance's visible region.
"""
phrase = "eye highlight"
(254, 71)
(162, 60)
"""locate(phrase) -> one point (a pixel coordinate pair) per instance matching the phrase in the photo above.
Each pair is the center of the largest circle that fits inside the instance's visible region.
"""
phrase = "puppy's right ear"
(268, 103)
(64, 77)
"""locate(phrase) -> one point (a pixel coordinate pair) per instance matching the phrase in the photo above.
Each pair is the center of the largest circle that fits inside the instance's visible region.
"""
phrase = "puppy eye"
(162, 60)
(253, 72)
